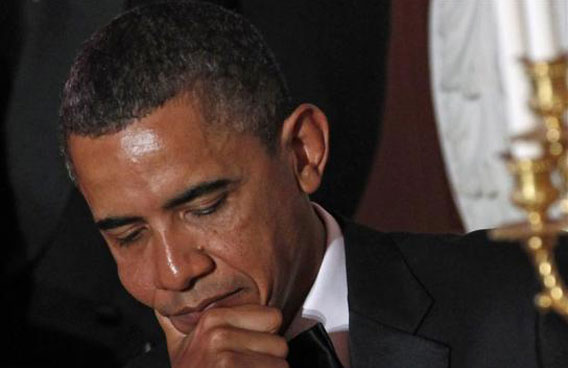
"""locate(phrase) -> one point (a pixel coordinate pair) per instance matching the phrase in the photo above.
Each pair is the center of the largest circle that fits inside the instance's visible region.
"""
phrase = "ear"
(305, 137)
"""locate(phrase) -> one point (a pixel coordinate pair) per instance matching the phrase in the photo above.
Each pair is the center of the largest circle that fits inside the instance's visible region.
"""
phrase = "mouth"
(186, 319)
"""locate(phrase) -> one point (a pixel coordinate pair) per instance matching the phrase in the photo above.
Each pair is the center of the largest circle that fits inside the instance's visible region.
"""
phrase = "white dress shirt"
(327, 300)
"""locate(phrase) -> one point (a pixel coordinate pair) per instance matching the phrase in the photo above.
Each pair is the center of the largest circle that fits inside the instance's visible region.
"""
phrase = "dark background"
(60, 293)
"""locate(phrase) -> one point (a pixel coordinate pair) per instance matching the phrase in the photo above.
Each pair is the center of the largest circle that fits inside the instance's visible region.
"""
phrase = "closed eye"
(210, 208)
(132, 237)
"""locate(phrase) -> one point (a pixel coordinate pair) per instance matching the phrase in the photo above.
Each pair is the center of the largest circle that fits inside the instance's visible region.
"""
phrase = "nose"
(179, 262)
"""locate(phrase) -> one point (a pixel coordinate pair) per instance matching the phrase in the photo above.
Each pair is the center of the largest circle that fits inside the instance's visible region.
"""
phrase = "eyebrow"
(184, 197)
(114, 222)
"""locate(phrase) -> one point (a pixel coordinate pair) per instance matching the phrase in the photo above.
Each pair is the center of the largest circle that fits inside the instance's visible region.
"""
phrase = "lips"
(186, 319)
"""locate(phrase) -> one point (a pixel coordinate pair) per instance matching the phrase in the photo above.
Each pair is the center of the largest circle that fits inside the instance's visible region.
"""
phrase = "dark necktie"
(312, 349)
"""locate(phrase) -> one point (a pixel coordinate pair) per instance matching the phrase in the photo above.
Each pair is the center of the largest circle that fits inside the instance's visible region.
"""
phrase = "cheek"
(240, 244)
(137, 280)
(269, 255)
(135, 272)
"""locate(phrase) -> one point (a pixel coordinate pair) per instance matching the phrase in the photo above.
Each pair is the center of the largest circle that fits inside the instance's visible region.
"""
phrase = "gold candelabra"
(535, 190)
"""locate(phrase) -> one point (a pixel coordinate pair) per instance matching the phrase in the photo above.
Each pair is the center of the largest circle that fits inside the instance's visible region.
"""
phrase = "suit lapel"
(386, 305)
(373, 344)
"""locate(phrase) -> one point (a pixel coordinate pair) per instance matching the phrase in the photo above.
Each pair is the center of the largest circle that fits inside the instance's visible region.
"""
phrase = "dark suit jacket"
(440, 301)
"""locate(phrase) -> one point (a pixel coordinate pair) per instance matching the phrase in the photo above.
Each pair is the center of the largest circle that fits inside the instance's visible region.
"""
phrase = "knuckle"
(283, 347)
(276, 318)
(281, 363)
(200, 330)
(210, 318)
(218, 337)
(226, 359)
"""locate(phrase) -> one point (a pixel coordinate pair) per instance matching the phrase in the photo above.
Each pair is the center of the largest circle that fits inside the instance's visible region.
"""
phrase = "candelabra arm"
(535, 191)
(553, 295)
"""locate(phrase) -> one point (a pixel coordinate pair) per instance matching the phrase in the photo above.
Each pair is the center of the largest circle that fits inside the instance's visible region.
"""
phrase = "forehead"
(156, 156)
(164, 134)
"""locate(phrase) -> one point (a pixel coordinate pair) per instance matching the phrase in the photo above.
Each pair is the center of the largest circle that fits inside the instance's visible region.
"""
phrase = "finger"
(174, 338)
(247, 317)
(239, 360)
(246, 341)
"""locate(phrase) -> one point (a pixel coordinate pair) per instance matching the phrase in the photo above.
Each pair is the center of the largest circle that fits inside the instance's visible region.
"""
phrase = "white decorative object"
(542, 43)
(470, 107)
(516, 86)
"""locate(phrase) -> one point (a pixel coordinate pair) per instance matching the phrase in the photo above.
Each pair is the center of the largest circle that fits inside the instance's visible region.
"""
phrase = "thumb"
(174, 338)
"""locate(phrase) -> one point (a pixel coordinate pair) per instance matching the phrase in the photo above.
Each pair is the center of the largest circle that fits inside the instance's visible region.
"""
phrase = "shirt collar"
(327, 299)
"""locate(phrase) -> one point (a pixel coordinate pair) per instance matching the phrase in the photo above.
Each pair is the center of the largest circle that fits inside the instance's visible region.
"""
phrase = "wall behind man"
(60, 290)
(408, 189)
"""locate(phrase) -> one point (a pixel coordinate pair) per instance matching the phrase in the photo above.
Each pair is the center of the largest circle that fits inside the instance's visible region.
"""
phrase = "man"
(178, 131)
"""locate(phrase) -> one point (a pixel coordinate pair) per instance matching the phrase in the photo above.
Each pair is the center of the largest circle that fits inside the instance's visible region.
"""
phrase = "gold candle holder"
(534, 190)
(534, 193)
(553, 296)
(550, 99)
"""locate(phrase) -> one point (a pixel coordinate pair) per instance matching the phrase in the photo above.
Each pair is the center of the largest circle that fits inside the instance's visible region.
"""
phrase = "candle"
(542, 38)
(516, 85)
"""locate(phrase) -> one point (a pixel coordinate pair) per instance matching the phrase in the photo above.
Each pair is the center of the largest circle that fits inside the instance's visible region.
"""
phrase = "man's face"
(196, 217)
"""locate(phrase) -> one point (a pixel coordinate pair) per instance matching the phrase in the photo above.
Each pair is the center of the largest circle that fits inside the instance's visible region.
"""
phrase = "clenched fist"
(241, 336)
